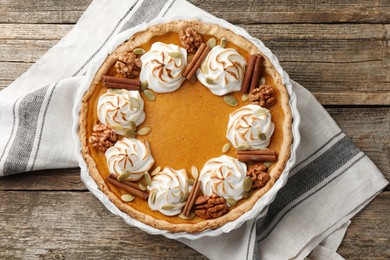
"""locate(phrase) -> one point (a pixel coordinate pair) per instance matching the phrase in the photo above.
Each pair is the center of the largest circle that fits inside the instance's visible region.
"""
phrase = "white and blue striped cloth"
(331, 181)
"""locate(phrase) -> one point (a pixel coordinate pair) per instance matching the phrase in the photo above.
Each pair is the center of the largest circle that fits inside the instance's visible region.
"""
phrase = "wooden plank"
(34, 31)
(262, 11)
(369, 129)
(368, 236)
(75, 225)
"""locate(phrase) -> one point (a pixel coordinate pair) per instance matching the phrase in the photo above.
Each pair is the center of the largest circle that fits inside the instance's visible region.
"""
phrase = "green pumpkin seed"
(226, 148)
(209, 80)
(267, 164)
(205, 68)
(123, 176)
(152, 197)
(138, 51)
(247, 194)
(168, 207)
(116, 127)
(190, 216)
(144, 85)
(144, 130)
(149, 95)
(248, 184)
(141, 186)
(261, 112)
(175, 54)
(245, 97)
(127, 198)
(194, 172)
(262, 81)
(114, 90)
(156, 171)
(223, 42)
(212, 42)
(134, 103)
(147, 179)
(132, 125)
(230, 100)
(191, 182)
(262, 136)
(243, 147)
(231, 202)
(130, 133)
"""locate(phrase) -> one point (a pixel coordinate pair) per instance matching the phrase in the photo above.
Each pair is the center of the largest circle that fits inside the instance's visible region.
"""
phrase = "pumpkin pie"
(185, 126)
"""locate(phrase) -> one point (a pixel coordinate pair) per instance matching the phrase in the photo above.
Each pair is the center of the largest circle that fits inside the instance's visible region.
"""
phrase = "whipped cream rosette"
(129, 155)
(223, 176)
(162, 67)
(250, 125)
(222, 71)
(169, 191)
(117, 108)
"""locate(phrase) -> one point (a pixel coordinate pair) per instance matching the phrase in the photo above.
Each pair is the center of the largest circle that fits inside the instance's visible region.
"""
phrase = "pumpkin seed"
(141, 186)
(134, 103)
(147, 179)
(267, 164)
(175, 54)
(127, 198)
(132, 125)
(261, 112)
(149, 95)
(247, 194)
(205, 68)
(212, 42)
(231, 202)
(156, 171)
(116, 127)
(191, 182)
(194, 172)
(144, 85)
(152, 197)
(123, 176)
(230, 100)
(114, 90)
(262, 136)
(144, 130)
(130, 133)
(245, 97)
(190, 216)
(262, 81)
(168, 207)
(223, 42)
(226, 148)
(248, 184)
(209, 80)
(138, 51)
(243, 146)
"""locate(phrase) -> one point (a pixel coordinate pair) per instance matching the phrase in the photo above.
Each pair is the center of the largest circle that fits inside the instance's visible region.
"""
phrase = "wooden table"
(340, 52)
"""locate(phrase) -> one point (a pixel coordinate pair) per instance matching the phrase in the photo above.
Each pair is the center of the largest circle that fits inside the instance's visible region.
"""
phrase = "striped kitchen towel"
(331, 181)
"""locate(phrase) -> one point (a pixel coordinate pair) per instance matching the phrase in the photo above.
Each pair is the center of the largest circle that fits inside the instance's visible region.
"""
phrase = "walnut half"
(128, 64)
(210, 207)
(190, 39)
(258, 174)
(102, 137)
(263, 96)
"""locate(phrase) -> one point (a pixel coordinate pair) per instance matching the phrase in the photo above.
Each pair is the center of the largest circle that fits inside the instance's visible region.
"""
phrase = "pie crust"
(235, 212)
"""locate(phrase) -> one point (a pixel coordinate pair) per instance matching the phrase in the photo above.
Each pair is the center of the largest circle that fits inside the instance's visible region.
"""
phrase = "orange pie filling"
(183, 129)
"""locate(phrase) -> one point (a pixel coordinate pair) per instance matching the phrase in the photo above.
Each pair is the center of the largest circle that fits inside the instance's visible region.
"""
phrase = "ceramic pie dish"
(169, 137)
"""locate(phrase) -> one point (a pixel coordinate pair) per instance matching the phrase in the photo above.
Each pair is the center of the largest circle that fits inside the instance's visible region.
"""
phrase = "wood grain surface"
(339, 50)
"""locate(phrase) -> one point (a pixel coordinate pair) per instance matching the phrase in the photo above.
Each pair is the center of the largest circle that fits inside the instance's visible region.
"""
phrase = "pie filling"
(173, 132)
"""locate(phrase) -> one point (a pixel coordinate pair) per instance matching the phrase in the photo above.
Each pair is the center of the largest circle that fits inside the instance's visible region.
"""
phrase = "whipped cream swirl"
(222, 71)
(251, 125)
(129, 155)
(169, 191)
(224, 176)
(117, 109)
(162, 67)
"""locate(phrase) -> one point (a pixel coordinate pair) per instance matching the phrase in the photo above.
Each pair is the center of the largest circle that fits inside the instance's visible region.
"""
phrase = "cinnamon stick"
(120, 86)
(194, 59)
(192, 198)
(198, 62)
(256, 73)
(256, 152)
(257, 157)
(248, 75)
(134, 82)
(137, 193)
(128, 183)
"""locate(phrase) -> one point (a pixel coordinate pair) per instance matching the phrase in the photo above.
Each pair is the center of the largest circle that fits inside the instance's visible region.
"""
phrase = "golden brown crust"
(275, 173)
